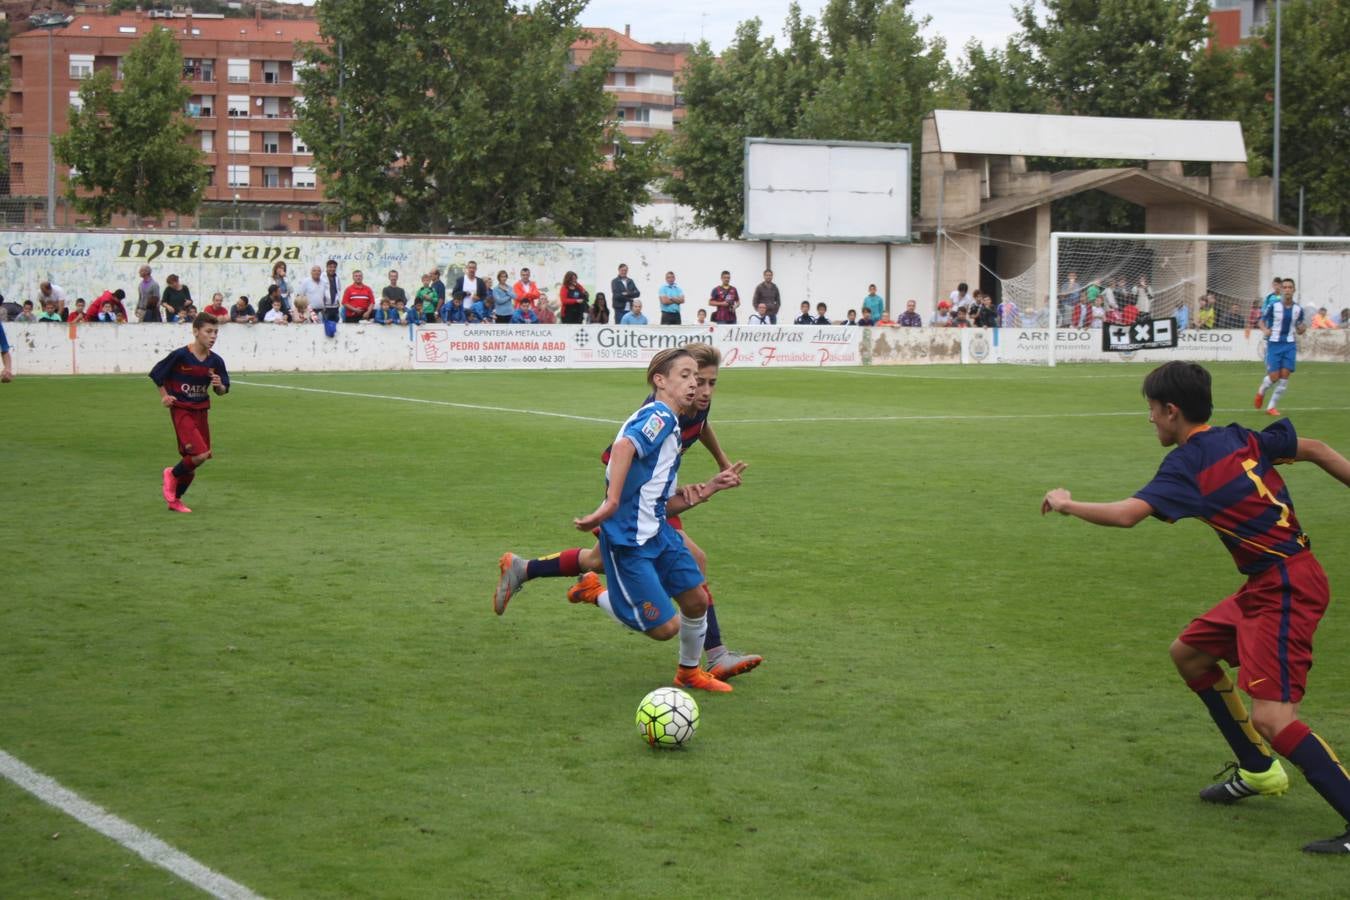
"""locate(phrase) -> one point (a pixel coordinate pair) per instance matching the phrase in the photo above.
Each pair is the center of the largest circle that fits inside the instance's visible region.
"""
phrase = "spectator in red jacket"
(574, 299)
(358, 300)
(108, 301)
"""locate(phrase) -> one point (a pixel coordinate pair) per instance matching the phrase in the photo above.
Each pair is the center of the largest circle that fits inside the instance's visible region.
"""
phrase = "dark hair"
(963, 287)
(204, 318)
(664, 361)
(120, 294)
(1288, 281)
(1185, 385)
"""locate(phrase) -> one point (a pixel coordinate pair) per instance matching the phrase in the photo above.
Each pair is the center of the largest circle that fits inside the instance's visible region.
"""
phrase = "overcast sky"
(989, 21)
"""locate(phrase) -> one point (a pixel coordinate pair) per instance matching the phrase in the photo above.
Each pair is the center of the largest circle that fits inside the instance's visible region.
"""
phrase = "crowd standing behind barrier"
(322, 296)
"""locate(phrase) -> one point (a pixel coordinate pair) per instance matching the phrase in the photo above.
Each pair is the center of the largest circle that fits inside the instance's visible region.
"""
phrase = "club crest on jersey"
(654, 426)
(649, 611)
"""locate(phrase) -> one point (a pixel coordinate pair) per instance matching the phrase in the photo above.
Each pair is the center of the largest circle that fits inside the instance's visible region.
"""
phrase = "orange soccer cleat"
(587, 589)
(1273, 412)
(1260, 398)
(698, 679)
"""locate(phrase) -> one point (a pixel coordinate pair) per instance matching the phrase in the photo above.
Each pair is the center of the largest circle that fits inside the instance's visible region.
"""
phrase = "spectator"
(1345, 318)
(503, 299)
(358, 300)
(1092, 293)
(672, 298)
(57, 294)
(310, 290)
(960, 298)
(985, 315)
(1070, 292)
(961, 319)
(1320, 320)
(724, 300)
(942, 318)
(760, 316)
(766, 292)
(623, 291)
(1183, 317)
(821, 318)
(151, 311)
(105, 303)
(438, 286)
(574, 299)
(1276, 285)
(866, 319)
(1206, 315)
(480, 311)
(474, 288)
(1143, 298)
(283, 293)
(176, 296)
(545, 311)
(701, 316)
(301, 312)
(146, 291)
(634, 315)
(242, 311)
(270, 300)
(910, 318)
(393, 292)
(453, 311)
(189, 312)
(1254, 314)
(885, 321)
(599, 313)
(77, 314)
(805, 318)
(426, 300)
(1112, 294)
(525, 314)
(332, 292)
(1009, 316)
(49, 313)
(384, 314)
(217, 306)
(526, 291)
(874, 303)
(852, 318)
(1081, 315)
(271, 308)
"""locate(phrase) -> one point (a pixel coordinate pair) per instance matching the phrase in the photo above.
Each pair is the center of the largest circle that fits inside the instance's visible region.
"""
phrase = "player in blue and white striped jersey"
(1281, 323)
(651, 575)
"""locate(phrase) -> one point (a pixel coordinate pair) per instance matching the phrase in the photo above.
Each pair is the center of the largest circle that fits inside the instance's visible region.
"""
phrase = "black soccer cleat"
(1337, 845)
(1241, 784)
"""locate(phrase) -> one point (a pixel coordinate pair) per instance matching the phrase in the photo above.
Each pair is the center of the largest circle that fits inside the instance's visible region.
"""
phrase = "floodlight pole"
(1275, 155)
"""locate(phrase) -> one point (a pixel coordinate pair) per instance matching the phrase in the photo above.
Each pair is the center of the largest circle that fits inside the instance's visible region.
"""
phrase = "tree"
(440, 115)
(130, 146)
(863, 73)
(1314, 110)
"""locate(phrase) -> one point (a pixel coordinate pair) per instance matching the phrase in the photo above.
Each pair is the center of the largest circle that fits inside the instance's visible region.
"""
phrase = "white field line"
(138, 841)
(775, 421)
(505, 409)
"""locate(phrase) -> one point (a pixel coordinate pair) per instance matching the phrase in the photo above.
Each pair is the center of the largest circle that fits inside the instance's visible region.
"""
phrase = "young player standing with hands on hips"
(1226, 477)
(183, 378)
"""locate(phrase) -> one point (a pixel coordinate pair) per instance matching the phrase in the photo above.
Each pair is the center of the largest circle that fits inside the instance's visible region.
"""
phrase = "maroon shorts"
(194, 432)
(1266, 628)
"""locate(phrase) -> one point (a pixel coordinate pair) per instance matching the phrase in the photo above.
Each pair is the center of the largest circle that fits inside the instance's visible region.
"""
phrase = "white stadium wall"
(55, 349)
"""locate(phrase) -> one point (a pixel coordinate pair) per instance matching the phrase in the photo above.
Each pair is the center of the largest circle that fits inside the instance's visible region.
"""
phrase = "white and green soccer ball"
(667, 718)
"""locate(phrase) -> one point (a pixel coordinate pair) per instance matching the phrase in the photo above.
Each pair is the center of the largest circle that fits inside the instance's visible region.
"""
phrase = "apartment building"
(1235, 21)
(245, 86)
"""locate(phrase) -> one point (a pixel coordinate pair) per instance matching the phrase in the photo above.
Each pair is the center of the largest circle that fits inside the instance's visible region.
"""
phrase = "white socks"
(1280, 387)
(1265, 385)
(603, 602)
(692, 632)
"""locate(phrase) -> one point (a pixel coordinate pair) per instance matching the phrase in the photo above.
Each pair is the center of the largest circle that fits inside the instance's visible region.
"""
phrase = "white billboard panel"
(1088, 137)
(827, 190)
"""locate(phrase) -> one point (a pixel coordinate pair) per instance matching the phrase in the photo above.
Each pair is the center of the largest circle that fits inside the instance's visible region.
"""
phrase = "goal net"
(1209, 281)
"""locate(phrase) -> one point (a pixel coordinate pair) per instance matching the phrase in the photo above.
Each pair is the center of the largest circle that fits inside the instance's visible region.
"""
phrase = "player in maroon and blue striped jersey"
(185, 379)
(723, 663)
(1226, 478)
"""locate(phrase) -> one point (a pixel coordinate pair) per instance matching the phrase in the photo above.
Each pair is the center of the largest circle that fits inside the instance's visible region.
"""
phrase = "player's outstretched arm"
(620, 461)
(1125, 513)
(1325, 456)
(694, 494)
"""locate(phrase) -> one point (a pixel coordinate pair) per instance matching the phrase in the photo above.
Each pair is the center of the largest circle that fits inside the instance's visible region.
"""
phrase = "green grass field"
(302, 684)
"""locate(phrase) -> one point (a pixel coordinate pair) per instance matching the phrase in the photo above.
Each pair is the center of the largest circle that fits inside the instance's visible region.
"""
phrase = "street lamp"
(49, 22)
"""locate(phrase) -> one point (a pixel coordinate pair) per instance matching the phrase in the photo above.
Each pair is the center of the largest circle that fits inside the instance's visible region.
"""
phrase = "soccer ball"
(667, 718)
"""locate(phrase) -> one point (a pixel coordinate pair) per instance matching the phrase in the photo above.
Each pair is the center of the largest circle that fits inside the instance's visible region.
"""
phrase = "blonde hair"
(704, 354)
